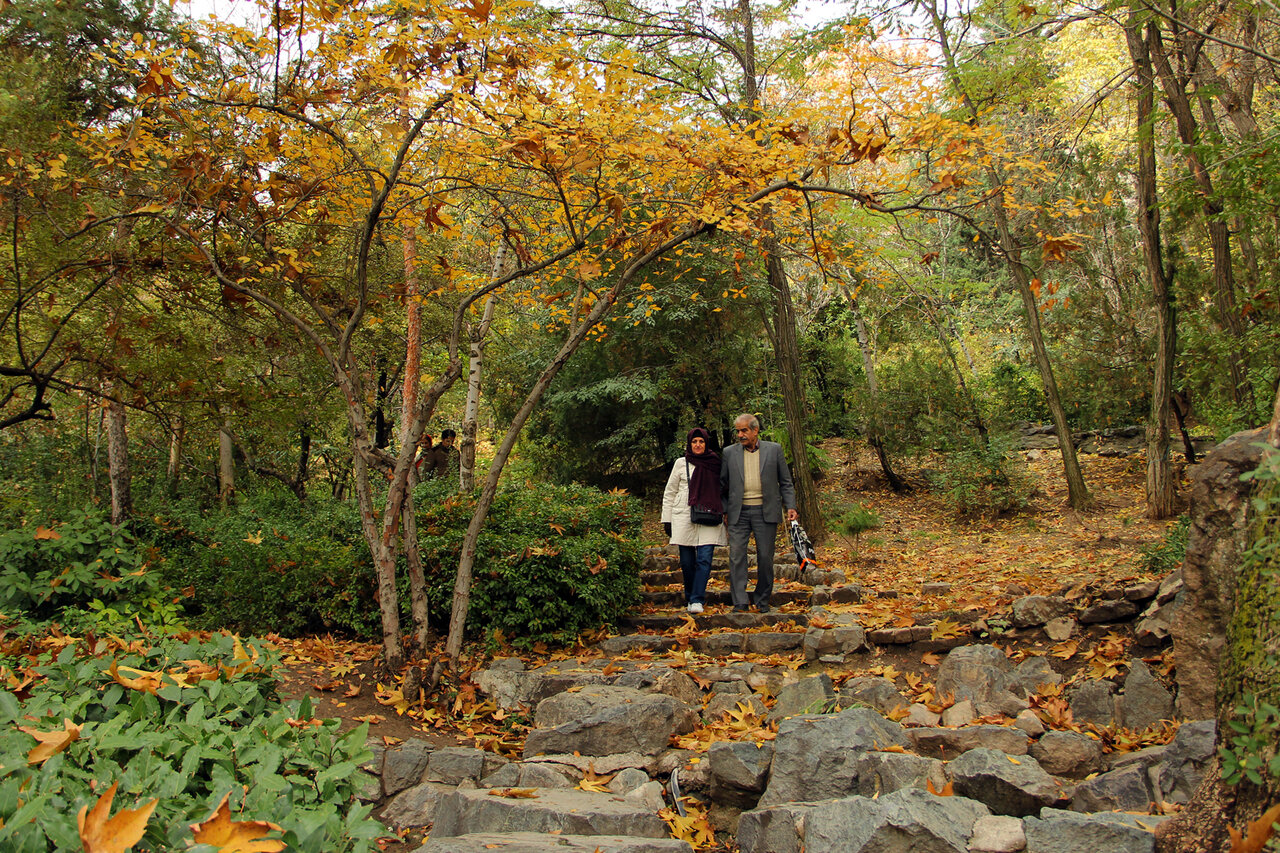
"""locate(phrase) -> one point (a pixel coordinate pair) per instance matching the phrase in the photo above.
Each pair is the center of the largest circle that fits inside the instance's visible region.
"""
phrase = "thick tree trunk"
(408, 406)
(417, 579)
(226, 466)
(118, 459)
(1161, 495)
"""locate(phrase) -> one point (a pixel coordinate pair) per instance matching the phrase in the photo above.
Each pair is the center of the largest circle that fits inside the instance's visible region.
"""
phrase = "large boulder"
(1146, 701)
(536, 842)
(1004, 784)
(981, 675)
(567, 812)
(1186, 760)
(818, 757)
(603, 720)
(1218, 536)
(911, 819)
(1069, 754)
(1058, 831)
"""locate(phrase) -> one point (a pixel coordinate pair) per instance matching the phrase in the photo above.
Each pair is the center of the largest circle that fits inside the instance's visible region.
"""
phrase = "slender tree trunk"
(304, 459)
(226, 465)
(173, 471)
(471, 413)
(875, 431)
(1161, 495)
(1077, 492)
(1224, 295)
(118, 458)
(787, 355)
(409, 405)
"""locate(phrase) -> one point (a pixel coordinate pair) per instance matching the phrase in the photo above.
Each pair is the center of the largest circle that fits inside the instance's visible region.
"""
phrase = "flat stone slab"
(533, 842)
(567, 811)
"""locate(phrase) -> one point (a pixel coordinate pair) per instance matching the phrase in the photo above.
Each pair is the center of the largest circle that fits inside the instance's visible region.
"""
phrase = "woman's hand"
(666, 527)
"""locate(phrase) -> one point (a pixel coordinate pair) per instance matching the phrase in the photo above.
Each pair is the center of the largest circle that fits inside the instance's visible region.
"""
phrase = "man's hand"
(666, 527)
(792, 515)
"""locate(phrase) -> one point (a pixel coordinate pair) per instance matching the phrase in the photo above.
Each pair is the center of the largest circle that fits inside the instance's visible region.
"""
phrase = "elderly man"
(756, 484)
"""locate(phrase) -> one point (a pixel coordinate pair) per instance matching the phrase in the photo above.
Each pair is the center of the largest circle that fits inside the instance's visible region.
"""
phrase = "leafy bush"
(185, 722)
(269, 565)
(984, 481)
(83, 573)
(552, 562)
(1165, 556)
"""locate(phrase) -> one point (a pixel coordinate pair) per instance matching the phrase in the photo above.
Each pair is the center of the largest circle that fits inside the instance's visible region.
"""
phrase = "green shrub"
(552, 562)
(984, 481)
(1165, 556)
(82, 573)
(186, 746)
(270, 565)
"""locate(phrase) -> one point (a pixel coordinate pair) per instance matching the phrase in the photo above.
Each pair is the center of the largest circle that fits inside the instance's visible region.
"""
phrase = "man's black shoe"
(763, 608)
(740, 608)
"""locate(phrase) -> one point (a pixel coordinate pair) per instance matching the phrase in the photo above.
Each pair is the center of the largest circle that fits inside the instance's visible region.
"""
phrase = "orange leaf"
(478, 9)
(1259, 833)
(236, 836)
(51, 743)
(945, 792)
(930, 659)
(100, 834)
(149, 682)
(46, 533)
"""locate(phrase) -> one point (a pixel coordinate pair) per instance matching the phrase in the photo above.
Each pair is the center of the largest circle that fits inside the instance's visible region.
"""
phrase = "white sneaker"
(695, 608)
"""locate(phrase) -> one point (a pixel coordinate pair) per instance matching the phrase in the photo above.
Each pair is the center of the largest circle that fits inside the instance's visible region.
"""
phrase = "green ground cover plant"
(185, 721)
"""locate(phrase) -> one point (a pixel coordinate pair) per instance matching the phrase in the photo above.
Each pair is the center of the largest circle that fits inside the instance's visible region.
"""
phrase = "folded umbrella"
(805, 555)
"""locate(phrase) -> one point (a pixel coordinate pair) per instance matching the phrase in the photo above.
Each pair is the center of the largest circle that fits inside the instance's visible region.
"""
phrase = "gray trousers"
(751, 521)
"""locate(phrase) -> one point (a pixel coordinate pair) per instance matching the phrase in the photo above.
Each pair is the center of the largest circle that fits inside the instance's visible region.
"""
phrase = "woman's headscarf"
(704, 480)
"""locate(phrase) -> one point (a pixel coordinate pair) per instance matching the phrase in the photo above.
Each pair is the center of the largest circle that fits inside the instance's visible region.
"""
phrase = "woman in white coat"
(694, 481)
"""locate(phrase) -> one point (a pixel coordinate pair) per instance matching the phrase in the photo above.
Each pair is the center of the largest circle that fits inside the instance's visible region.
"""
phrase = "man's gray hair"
(752, 421)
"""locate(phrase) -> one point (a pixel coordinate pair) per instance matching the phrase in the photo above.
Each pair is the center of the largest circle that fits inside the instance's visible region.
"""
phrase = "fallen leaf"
(236, 836)
(47, 533)
(102, 834)
(1258, 833)
(51, 743)
(947, 789)
(515, 793)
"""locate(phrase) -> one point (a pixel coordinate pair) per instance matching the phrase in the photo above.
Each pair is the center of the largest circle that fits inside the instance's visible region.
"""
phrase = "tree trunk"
(605, 302)
(875, 432)
(417, 579)
(467, 447)
(226, 466)
(173, 471)
(1161, 495)
(118, 458)
(1077, 492)
(787, 355)
(304, 460)
(1224, 295)
(408, 406)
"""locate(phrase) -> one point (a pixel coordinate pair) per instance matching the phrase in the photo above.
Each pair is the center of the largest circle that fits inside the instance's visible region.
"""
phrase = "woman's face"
(698, 445)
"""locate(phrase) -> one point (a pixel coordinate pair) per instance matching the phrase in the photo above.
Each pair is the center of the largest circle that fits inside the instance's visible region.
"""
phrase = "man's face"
(747, 434)
(447, 441)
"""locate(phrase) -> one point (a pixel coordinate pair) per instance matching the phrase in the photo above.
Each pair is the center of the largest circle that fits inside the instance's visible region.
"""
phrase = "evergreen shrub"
(984, 480)
(551, 563)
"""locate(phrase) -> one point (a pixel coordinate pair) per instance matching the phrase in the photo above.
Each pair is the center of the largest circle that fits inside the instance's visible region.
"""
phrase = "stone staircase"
(618, 718)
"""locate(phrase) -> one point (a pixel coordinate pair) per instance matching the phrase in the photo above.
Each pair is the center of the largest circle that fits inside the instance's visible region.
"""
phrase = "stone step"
(709, 621)
(536, 842)
(674, 598)
(544, 810)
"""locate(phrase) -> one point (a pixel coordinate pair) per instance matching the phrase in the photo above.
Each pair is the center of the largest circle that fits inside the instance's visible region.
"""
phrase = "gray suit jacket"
(775, 481)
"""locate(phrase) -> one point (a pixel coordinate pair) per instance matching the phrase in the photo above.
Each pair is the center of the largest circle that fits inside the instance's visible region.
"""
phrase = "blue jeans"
(695, 563)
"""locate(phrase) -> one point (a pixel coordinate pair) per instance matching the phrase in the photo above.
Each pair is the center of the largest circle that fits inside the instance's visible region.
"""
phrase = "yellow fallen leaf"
(51, 743)
(236, 836)
(101, 834)
(515, 793)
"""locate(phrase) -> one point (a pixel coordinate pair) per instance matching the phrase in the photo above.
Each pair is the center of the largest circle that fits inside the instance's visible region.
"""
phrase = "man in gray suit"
(756, 484)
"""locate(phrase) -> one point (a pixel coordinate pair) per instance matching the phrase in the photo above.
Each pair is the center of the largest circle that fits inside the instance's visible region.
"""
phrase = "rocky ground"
(994, 685)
